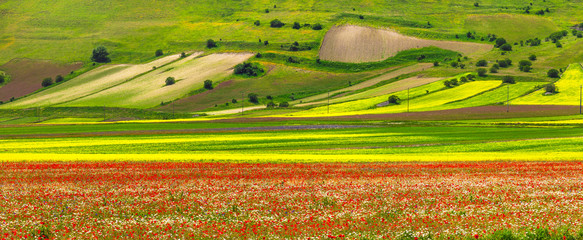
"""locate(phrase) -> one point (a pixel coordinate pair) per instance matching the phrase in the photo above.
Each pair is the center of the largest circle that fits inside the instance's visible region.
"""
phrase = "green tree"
(276, 23)
(506, 47)
(317, 26)
(532, 57)
(394, 99)
(283, 104)
(249, 69)
(47, 82)
(553, 73)
(257, 23)
(482, 63)
(2, 78)
(551, 88)
(100, 55)
(500, 42)
(59, 78)
(296, 25)
(211, 43)
(253, 98)
(159, 52)
(508, 79)
(208, 84)
(170, 81)
(482, 72)
(524, 65)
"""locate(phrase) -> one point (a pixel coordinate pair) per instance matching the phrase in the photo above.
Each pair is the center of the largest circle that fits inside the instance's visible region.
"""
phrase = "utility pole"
(328, 102)
(507, 98)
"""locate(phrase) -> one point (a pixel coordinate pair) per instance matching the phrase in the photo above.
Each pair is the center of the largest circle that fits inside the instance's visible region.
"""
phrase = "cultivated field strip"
(313, 100)
(89, 83)
(568, 86)
(150, 90)
(426, 97)
(377, 144)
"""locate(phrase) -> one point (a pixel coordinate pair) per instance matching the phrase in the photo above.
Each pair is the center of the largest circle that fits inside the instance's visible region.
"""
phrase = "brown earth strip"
(472, 113)
(28, 74)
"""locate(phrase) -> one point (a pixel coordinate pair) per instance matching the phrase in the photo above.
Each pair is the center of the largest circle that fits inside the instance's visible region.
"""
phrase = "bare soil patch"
(358, 44)
(28, 74)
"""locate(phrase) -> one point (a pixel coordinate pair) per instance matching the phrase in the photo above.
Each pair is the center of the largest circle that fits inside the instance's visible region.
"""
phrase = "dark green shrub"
(271, 105)
(471, 77)
(482, 63)
(551, 88)
(317, 26)
(211, 43)
(253, 98)
(454, 64)
(506, 47)
(493, 70)
(234, 101)
(463, 79)
(283, 104)
(276, 23)
(59, 78)
(3, 78)
(249, 69)
(500, 42)
(208, 84)
(436, 63)
(553, 73)
(508, 79)
(451, 83)
(47, 82)
(170, 81)
(579, 35)
(482, 72)
(257, 23)
(394, 99)
(100, 55)
(182, 55)
(159, 52)
(525, 65)
(296, 25)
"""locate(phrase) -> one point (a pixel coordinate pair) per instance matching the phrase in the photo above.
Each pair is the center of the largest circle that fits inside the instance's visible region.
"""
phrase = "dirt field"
(365, 44)
(27, 75)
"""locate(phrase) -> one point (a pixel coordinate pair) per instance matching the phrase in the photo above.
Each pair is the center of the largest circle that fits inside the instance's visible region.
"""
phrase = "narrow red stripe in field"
(207, 200)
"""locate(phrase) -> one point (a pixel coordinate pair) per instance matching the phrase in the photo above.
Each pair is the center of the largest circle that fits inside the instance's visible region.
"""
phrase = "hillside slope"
(364, 44)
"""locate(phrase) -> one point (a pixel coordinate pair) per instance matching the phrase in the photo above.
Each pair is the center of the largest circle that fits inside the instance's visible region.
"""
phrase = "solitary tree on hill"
(100, 55)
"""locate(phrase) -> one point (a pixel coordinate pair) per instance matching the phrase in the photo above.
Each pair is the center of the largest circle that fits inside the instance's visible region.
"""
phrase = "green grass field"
(496, 96)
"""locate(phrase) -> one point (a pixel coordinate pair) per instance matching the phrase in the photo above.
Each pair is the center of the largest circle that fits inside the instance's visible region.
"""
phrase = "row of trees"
(276, 23)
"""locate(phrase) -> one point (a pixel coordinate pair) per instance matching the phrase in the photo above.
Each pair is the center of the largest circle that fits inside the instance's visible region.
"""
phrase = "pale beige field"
(358, 44)
(150, 90)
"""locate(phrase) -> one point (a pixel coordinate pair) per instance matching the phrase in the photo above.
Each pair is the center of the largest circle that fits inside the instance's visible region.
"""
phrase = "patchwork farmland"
(282, 119)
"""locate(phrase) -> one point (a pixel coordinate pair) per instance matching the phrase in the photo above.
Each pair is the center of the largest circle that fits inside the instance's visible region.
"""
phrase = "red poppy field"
(352, 201)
